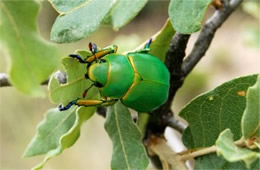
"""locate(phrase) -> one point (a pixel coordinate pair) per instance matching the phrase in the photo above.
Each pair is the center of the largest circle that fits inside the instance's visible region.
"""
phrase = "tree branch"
(62, 79)
(179, 69)
(4, 79)
(207, 34)
(160, 117)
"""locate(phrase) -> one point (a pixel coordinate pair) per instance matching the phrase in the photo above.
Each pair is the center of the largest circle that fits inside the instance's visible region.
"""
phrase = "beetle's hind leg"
(87, 103)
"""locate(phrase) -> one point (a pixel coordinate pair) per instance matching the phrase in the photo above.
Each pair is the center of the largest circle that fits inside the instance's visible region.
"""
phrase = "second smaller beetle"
(138, 79)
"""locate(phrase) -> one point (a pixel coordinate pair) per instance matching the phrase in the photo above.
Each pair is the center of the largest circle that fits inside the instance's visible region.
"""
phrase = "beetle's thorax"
(97, 72)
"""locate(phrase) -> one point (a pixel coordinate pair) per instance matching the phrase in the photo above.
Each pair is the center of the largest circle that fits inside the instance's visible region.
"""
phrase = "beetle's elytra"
(138, 79)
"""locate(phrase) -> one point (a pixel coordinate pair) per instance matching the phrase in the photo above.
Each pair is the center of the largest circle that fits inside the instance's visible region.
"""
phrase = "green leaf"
(251, 117)
(49, 131)
(58, 131)
(252, 7)
(161, 41)
(65, 125)
(78, 19)
(211, 113)
(128, 150)
(186, 15)
(124, 11)
(69, 138)
(214, 162)
(65, 6)
(32, 59)
(187, 138)
(232, 153)
(76, 82)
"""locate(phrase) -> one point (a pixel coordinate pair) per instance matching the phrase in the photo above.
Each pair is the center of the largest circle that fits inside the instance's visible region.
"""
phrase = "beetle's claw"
(148, 43)
(62, 108)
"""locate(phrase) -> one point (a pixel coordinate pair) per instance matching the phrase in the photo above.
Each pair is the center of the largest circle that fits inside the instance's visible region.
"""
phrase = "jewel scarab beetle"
(138, 79)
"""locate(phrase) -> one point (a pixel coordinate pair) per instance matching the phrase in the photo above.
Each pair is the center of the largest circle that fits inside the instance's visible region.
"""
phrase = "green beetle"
(138, 79)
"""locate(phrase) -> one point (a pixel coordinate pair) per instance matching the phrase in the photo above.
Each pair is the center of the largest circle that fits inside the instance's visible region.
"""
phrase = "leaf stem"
(191, 154)
(198, 153)
(142, 122)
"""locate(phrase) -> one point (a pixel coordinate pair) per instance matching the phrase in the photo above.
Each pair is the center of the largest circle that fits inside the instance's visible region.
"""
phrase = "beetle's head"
(97, 72)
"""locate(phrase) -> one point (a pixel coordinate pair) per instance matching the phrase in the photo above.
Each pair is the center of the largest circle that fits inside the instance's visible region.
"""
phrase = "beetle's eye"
(86, 76)
(97, 84)
(102, 61)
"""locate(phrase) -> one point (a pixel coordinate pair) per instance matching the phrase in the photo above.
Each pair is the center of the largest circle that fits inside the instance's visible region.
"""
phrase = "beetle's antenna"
(86, 91)
(93, 49)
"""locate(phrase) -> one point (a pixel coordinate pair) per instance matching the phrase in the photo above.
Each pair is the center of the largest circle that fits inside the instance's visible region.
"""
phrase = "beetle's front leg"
(98, 54)
(87, 103)
(78, 58)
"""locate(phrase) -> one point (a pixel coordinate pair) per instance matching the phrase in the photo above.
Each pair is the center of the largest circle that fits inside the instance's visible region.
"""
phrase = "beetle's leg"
(86, 103)
(86, 91)
(146, 48)
(78, 58)
(62, 108)
(98, 54)
(148, 44)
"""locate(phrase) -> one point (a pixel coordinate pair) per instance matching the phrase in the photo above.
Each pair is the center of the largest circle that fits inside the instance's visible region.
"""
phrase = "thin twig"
(186, 155)
(198, 153)
(4, 79)
(207, 34)
(176, 124)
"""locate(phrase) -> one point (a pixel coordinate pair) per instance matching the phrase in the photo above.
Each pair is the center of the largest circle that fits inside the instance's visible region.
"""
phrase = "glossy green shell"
(98, 72)
(140, 80)
(119, 75)
(150, 90)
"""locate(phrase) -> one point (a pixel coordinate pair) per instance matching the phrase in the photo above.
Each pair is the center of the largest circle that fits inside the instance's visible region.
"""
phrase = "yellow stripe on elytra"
(132, 63)
(137, 79)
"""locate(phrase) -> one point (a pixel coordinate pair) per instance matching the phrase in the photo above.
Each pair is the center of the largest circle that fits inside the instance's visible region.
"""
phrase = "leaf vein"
(21, 43)
(121, 139)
